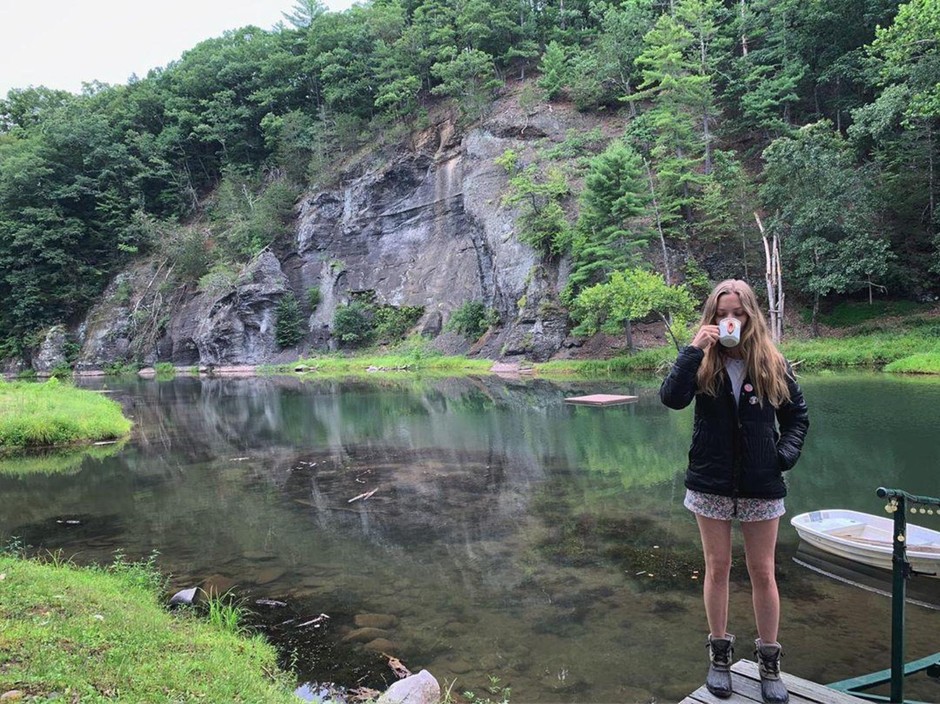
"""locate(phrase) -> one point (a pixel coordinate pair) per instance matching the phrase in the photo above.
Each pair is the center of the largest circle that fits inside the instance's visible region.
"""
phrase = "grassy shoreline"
(910, 353)
(53, 414)
(389, 363)
(100, 634)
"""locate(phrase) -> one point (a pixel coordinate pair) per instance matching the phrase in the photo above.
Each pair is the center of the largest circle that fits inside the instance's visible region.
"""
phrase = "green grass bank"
(914, 351)
(52, 414)
(100, 635)
(897, 344)
(340, 365)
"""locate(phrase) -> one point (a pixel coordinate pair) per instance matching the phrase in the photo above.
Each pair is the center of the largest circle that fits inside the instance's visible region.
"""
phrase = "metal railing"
(901, 571)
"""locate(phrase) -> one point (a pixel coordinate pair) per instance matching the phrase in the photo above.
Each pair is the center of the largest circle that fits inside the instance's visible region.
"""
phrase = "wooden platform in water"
(746, 685)
(601, 400)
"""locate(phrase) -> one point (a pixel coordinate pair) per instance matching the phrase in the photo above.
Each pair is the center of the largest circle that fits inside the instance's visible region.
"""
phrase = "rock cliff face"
(137, 320)
(424, 228)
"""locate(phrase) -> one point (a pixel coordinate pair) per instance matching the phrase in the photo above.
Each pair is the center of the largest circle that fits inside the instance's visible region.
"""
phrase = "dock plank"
(805, 689)
(745, 681)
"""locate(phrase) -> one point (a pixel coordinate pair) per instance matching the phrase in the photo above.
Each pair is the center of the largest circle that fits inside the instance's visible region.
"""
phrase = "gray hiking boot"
(720, 655)
(772, 688)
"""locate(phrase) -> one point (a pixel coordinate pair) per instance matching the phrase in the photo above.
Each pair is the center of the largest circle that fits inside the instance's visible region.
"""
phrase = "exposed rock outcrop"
(424, 227)
(232, 326)
(236, 327)
(52, 353)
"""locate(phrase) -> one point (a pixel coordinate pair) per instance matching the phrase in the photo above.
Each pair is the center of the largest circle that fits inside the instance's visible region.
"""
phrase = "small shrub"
(289, 323)
(71, 349)
(392, 324)
(417, 348)
(225, 613)
(62, 371)
(122, 293)
(188, 250)
(352, 324)
(250, 214)
(696, 280)
(142, 573)
(471, 320)
(164, 370)
(120, 368)
(219, 279)
(313, 297)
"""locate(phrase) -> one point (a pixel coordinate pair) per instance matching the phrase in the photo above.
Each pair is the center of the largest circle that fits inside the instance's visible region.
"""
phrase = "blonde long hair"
(766, 367)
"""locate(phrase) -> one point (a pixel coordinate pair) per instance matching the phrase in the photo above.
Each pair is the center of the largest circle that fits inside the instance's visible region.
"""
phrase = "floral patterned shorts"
(725, 508)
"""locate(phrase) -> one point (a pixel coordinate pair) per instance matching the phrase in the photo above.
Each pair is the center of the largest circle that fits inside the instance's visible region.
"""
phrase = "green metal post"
(898, 596)
(901, 571)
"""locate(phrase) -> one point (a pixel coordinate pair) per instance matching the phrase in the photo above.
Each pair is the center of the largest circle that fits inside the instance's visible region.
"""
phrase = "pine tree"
(608, 236)
(554, 69)
(766, 76)
(289, 321)
(672, 81)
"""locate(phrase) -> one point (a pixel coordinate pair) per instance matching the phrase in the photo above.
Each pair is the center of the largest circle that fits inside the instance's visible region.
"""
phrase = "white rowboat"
(868, 539)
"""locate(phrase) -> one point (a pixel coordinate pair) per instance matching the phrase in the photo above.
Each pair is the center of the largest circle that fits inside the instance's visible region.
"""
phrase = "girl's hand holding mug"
(706, 336)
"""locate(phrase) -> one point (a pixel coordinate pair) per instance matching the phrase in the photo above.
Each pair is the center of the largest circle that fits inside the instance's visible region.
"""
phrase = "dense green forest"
(821, 114)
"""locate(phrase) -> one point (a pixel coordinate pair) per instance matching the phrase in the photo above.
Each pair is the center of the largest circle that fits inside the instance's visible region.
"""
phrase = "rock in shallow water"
(364, 635)
(375, 621)
(417, 689)
(184, 597)
(383, 645)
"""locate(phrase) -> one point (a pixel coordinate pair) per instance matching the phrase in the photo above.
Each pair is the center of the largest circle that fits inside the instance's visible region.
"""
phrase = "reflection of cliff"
(247, 483)
(456, 460)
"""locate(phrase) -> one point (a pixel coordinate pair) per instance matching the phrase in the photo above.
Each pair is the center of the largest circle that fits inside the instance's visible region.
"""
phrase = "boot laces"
(770, 664)
(720, 652)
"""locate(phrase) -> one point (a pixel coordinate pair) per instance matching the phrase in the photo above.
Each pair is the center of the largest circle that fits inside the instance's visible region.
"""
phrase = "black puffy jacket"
(736, 449)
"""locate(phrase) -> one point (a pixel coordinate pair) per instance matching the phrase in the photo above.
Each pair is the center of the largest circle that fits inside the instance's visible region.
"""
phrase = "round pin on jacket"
(748, 388)
(752, 400)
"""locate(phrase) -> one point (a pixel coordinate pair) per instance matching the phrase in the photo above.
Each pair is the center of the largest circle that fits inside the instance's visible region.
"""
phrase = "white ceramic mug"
(729, 332)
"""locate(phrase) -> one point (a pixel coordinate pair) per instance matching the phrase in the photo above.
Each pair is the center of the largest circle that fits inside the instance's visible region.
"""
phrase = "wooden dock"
(746, 685)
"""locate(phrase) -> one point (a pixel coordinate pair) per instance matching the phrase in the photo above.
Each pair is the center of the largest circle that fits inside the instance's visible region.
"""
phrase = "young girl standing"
(750, 422)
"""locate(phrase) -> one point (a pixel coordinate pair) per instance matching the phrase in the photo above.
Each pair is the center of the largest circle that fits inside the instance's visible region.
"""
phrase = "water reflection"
(501, 530)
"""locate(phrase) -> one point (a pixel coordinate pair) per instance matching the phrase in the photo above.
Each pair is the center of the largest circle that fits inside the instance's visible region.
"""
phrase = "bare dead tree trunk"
(628, 90)
(778, 276)
(743, 36)
(667, 322)
(773, 276)
(930, 173)
(871, 286)
(706, 135)
(816, 296)
(744, 253)
(815, 323)
(659, 223)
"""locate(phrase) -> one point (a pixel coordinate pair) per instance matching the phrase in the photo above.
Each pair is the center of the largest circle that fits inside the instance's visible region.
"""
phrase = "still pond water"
(509, 534)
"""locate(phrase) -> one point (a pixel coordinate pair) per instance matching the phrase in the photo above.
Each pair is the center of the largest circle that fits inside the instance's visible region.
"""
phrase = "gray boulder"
(416, 689)
(184, 597)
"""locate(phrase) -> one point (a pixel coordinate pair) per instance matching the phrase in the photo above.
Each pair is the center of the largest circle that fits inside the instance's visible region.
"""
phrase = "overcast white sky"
(62, 43)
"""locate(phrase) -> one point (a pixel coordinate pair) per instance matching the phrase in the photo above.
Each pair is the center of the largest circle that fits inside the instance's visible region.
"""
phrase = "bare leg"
(760, 542)
(716, 545)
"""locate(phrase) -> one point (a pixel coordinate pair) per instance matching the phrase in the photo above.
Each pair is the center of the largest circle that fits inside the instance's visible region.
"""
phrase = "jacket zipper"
(736, 448)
